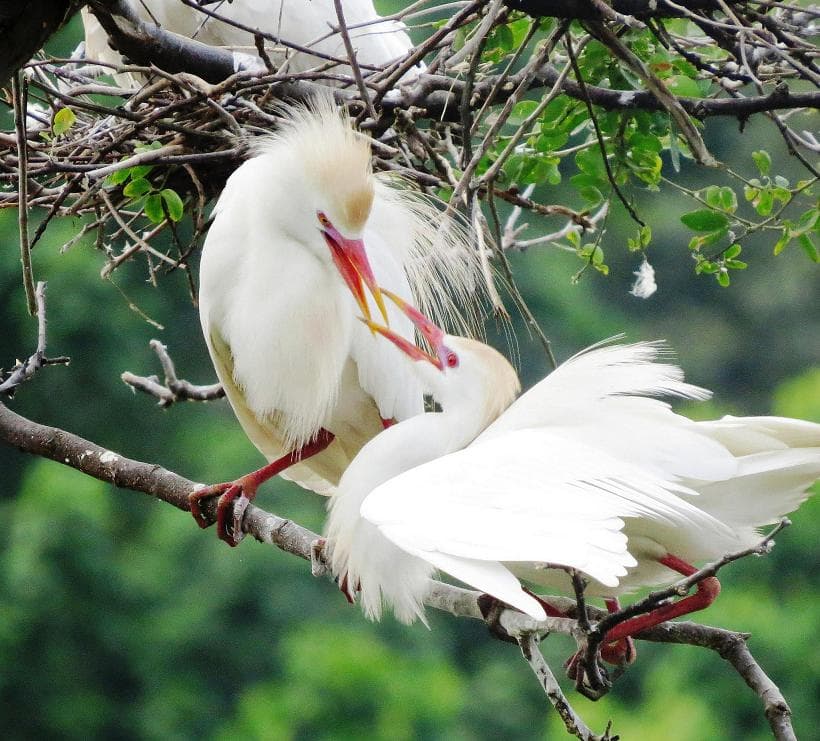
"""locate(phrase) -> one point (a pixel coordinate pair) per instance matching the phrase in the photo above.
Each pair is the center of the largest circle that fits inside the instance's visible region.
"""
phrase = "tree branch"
(89, 458)
(174, 389)
(24, 370)
(25, 27)
(593, 10)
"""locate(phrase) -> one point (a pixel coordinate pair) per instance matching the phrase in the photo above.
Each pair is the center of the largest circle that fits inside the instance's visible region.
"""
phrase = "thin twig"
(602, 145)
(575, 726)
(20, 104)
(174, 389)
(24, 370)
(354, 63)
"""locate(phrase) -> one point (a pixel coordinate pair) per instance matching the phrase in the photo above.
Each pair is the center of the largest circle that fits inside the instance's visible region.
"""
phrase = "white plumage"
(278, 319)
(306, 23)
(579, 469)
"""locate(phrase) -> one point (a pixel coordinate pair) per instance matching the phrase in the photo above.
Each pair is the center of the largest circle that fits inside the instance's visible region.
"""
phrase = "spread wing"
(526, 496)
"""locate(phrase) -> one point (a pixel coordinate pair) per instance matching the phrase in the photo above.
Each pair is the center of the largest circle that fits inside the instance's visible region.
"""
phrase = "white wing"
(600, 373)
(601, 397)
(526, 496)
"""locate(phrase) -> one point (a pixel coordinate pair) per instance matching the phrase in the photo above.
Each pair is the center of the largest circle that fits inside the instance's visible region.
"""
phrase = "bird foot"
(491, 609)
(592, 682)
(620, 653)
(318, 558)
(234, 497)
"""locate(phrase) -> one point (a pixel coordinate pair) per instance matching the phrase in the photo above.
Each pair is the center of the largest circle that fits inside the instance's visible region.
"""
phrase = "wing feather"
(529, 496)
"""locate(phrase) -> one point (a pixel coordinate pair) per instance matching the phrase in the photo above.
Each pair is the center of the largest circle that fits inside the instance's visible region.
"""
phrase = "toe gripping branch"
(614, 645)
(235, 496)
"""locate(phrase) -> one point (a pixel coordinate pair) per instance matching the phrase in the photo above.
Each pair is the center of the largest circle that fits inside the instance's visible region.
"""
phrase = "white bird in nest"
(308, 24)
(309, 384)
(586, 470)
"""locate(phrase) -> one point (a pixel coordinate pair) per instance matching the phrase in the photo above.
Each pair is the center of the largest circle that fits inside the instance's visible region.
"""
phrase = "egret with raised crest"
(295, 223)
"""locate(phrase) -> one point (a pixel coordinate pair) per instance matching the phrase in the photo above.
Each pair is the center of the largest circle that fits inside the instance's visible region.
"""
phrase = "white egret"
(579, 468)
(308, 383)
(307, 24)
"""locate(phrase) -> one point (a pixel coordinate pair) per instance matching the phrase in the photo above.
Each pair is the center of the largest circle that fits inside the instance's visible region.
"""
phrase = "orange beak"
(432, 333)
(351, 261)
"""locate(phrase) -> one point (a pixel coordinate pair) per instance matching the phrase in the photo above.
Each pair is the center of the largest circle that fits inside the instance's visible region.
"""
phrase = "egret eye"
(452, 359)
(323, 220)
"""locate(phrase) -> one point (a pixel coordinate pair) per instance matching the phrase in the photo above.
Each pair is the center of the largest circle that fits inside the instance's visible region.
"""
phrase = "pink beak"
(351, 261)
(432, 333)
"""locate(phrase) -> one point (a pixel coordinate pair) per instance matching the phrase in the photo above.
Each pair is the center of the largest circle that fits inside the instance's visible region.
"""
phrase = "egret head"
(325, 189)
(459, 371)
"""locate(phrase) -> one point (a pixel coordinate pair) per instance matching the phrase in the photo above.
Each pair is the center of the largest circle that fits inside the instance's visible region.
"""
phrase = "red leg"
(236, 495)
(618, 652)
(707, 592)
(388, 422)
(551, 610)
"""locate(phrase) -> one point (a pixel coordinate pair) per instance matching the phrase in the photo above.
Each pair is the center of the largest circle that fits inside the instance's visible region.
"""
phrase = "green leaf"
(153, 208)
(781, 243)
(764, 202)
(763, 161)
(140, 171)
(137, 188)
(63, 120)
(736, 264)
(521, 111)
(705, 220)
(723, 198)
(119, 176)
(804, 240)
(732, 252)
(173, 203)
(503, 37)
(642, 240)
(723, 278)
(681, 85)
(592, 194)
(707, 267)
(806, 223)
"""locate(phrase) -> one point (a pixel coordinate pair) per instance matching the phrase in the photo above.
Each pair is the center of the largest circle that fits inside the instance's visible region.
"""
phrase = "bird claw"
(592, 682)
(620, 653)
(234, 496)
(318, 563)
(491, 609)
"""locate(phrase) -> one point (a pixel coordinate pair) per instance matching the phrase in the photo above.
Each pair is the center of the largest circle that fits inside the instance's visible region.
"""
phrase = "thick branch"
(591, 11)
(438, 95)
(96, 461)
(25, 27)
(147, 44)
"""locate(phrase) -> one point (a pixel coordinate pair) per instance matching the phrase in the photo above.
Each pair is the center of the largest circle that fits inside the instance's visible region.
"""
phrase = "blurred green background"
(120, 619)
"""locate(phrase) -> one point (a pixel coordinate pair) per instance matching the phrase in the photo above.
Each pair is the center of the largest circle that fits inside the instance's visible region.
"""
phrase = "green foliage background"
(120, 619)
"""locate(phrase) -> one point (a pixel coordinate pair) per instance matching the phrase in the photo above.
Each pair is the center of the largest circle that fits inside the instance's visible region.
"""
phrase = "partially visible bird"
(307, 382)
(308, 25)
(581, 467)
